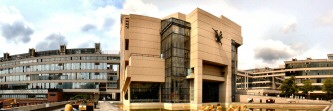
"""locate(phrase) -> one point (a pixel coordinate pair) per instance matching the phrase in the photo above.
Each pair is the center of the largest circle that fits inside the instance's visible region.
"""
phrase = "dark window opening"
(126, 44)
(52, 94)
(126, 95)
(145, 92)
(126, 64)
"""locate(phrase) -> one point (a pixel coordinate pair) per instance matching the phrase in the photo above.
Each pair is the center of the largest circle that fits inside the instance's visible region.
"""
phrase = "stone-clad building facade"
(178, 62)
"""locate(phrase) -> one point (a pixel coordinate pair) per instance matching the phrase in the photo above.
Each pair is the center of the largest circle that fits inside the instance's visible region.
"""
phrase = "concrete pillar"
(198, 71)
(227, 86)
(273, 84)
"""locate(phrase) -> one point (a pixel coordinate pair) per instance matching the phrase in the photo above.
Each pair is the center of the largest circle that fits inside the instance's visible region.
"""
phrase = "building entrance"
(210, 92)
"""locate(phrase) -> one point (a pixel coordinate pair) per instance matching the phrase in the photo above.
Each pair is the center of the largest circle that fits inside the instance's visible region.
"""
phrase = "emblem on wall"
(218, 36)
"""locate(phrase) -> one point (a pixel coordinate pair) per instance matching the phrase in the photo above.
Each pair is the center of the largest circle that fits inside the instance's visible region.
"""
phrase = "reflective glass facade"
(175, 47)
(145, 92)
(234, 62)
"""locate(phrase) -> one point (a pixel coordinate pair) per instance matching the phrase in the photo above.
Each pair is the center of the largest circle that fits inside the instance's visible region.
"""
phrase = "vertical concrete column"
(198, 82)
(126, 103)
(247, 80)
(273, 83)
(227, 87)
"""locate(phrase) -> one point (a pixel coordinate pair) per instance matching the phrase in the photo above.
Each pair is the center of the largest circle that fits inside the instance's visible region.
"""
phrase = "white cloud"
(326, 19)
(19, 30)
(71, 24)
(138, 7)
(289, 27)
(10, 14)
(265, 53)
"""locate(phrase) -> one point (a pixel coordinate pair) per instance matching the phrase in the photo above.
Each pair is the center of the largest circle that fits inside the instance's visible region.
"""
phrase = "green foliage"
(307, 87)
(289, 86)
(328, 87)
(80, 96)
(90, 86)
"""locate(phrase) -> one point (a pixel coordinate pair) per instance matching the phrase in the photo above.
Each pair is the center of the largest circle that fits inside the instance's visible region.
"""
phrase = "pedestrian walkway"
(106, 106)
(102, 106)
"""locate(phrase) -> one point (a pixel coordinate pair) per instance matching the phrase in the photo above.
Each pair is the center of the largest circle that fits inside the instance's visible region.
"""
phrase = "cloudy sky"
(273, 31)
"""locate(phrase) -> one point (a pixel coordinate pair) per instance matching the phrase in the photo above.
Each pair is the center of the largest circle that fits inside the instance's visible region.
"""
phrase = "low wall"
(256, 99)
(285, 106)
(38, 106)
(157, 105)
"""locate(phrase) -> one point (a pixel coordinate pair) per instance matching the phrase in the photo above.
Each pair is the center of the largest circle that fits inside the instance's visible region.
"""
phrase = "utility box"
(54, 95)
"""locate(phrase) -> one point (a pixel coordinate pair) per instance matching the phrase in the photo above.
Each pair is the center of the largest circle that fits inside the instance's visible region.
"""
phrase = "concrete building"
(260, 81)
(178, 62)
(315, 70)
(269, 80)
(88, 71)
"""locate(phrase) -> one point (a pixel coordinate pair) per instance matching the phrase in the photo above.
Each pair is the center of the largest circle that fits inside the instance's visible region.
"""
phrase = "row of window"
(61, 59)
(310, 72)
(63, 76)
(57, 67)
(30, 87)
(309, 65)
(313, 80)
(23, 96)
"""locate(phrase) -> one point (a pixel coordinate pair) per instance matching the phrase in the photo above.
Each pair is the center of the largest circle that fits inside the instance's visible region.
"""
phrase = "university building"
(269, 80)
(181, 61)
(69, 72)
(315, 70)
(260, 81)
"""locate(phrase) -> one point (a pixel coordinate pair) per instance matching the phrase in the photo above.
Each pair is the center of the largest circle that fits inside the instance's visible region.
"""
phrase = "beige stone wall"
(212, 70)
(205, 48)
(141, 62)
(147, 69)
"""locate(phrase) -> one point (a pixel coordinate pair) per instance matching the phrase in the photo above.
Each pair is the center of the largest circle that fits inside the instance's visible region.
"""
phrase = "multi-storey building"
(260, 81)
(88, 71)
(315, 70)
(178, 62)
(265, 80)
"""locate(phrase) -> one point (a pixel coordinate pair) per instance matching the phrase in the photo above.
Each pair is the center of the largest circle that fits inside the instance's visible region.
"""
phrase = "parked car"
(270, 100)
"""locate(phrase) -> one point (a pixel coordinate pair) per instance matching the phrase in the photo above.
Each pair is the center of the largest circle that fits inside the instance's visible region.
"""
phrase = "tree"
(328, 87)
(289, 86)
(307, 87)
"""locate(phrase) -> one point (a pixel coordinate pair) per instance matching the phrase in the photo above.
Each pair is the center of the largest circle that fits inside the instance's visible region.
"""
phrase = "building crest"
(218, 36)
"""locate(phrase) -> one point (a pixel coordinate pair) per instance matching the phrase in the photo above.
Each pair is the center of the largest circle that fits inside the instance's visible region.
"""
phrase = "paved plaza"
(102, 106)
